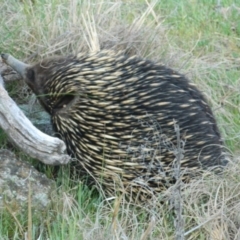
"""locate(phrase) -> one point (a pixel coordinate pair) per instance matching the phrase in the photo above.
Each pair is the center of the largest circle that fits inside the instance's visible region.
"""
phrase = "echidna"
(116, 115)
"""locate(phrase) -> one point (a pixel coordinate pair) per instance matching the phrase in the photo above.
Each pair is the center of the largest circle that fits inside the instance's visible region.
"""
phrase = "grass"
(197, 38)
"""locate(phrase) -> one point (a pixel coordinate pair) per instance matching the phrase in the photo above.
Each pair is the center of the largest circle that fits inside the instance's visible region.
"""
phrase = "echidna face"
(51, 87)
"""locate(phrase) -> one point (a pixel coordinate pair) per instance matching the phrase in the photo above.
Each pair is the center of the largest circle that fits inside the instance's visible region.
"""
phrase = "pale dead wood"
(21, 132)
(8, 73)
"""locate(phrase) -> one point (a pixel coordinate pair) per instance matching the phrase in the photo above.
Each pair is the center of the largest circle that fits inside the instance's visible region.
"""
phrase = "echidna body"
(117, 114)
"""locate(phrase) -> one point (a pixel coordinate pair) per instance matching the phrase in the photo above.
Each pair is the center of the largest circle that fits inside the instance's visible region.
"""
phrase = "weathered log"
(8, 74)
(22, 133)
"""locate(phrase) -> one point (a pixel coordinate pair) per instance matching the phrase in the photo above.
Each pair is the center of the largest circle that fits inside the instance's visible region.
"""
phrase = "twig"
(178, 206)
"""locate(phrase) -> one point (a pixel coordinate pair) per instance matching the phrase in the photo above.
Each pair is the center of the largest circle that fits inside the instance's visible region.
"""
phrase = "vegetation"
(198, 38)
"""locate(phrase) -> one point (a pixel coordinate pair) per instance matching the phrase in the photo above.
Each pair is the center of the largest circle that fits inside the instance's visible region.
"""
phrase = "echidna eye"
(64, 101)
(30, 78)
(30, 75)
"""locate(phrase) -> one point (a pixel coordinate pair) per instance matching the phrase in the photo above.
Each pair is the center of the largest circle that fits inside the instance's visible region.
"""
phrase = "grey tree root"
(21, 132)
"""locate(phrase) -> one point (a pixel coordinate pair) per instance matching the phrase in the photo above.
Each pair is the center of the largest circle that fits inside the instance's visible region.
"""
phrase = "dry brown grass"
(210, 203)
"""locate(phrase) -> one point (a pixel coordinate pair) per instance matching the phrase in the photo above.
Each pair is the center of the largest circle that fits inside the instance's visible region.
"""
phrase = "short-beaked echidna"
(117, 114)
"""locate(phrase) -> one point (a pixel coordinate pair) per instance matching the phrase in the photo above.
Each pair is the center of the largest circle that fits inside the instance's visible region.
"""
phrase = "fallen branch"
(20, 130)
(8, 74)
